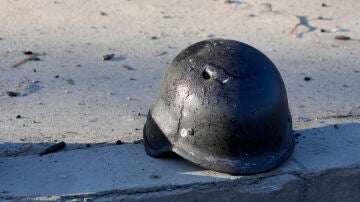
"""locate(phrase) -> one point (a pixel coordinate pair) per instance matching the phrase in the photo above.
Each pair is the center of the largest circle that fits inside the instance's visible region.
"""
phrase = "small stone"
(56, 76)
(18, 116)
(103, 13)
(128, 67)
(342, 37)
(153, 38)
(27, 52)
(108, 57)
(119, 142)
(110, 93)
(11, 93)
(306, 78)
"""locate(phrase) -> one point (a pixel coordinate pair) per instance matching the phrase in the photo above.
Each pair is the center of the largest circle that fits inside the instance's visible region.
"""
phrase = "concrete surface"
(325, 165)
(72, 95)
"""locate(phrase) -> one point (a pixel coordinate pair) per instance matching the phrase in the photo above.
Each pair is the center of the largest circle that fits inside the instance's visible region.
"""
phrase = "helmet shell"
(222, 104)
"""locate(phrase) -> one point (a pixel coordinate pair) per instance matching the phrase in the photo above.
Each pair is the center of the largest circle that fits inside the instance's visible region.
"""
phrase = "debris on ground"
(307, 78)
(324, 31)
(22, 89)
(324, 5)
(54, 148)
(128, 67)
(18, 116)
(159, 53)
(70, 132)
(342, 37)
(108, 57)
(11, 93)
(103, 13)
(153, 38)
(119, 142)
(28, 52)
(31, 56)
(28, 58)
(17, 153)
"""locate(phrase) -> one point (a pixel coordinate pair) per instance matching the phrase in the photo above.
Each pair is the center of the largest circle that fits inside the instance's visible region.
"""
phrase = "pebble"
(108, 57)
(306, 78)
(342, 37)
(11, 93)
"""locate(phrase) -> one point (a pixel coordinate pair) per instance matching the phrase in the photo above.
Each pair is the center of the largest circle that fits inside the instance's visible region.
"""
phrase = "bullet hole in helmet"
(206, 74)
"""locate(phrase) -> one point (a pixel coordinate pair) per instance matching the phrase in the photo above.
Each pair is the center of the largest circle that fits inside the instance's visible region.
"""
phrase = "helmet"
(222, 104)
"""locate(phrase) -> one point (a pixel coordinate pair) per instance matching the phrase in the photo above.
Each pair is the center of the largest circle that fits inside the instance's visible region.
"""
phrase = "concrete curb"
(325, 166)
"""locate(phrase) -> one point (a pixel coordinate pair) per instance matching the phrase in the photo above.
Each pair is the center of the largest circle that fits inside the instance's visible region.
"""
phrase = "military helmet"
(222, 105)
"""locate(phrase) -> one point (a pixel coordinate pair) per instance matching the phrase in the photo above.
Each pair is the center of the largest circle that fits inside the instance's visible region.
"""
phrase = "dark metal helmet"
(222, 104)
